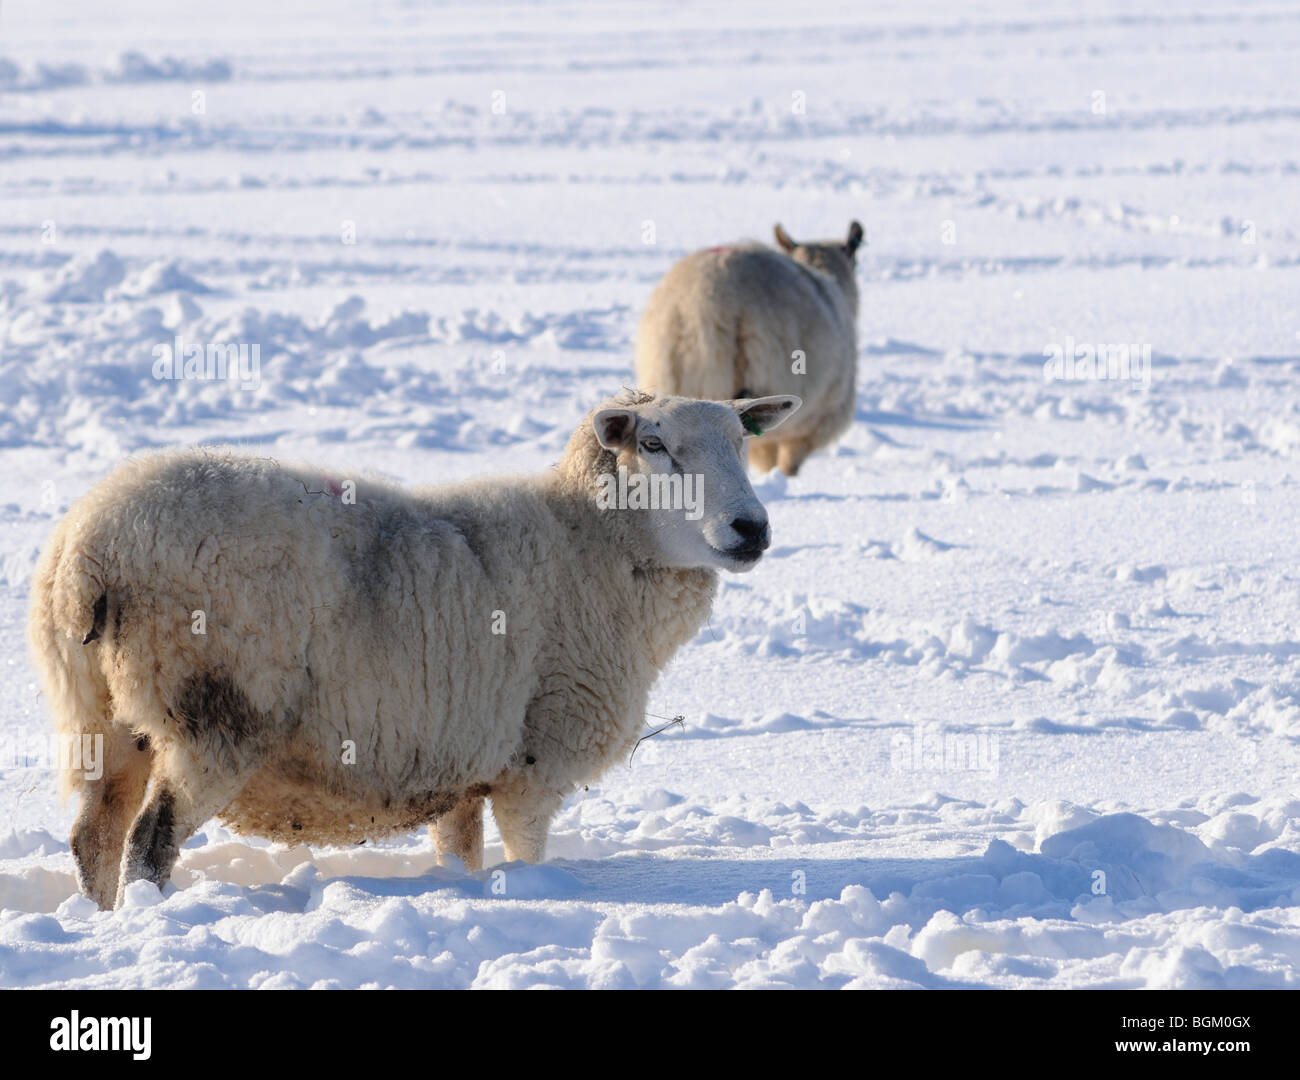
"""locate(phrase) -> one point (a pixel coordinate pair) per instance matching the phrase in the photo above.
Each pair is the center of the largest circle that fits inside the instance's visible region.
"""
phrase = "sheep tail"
(742, 363)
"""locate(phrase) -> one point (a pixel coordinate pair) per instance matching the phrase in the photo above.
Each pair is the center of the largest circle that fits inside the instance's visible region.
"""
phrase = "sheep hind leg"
(524, 818)
(108, 805)
(791, 455)
(762, 456)
(459, 832)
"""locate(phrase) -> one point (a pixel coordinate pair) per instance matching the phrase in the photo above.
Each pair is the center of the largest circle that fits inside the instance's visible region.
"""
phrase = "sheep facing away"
(747, 320)
(310, 668)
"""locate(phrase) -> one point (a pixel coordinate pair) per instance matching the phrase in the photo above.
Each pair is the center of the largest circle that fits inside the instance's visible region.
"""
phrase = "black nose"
(753, 531)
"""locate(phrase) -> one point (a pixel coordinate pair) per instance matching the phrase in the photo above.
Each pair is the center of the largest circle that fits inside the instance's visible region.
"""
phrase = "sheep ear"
(615, 428)
(761, 415)
(855, 238)
(783, 238)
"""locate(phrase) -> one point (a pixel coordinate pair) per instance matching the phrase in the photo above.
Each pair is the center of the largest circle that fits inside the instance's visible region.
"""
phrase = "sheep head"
(838, 258)
(675, 468)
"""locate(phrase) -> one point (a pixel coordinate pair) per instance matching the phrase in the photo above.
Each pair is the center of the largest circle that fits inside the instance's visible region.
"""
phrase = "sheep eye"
(652, 445)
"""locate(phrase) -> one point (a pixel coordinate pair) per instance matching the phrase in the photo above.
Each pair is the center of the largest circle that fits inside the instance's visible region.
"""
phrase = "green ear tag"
(751, 425)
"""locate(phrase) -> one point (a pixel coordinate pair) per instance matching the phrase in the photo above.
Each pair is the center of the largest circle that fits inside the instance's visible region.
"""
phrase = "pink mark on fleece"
(335, 488)
(722, 248)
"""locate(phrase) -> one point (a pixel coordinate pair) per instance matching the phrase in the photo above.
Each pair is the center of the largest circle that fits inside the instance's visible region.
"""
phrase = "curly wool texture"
(328, 626)
(727, 322)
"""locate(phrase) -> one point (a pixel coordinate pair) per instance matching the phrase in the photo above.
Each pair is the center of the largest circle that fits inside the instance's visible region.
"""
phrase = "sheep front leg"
(107, 807)
(171, 815)
(459, 832)
(524, 818)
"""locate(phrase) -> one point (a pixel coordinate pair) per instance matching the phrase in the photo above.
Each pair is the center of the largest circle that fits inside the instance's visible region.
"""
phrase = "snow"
(1014, 699)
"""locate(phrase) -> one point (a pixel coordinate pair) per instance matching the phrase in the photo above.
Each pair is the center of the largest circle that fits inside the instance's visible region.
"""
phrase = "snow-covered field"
(1012, 632)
